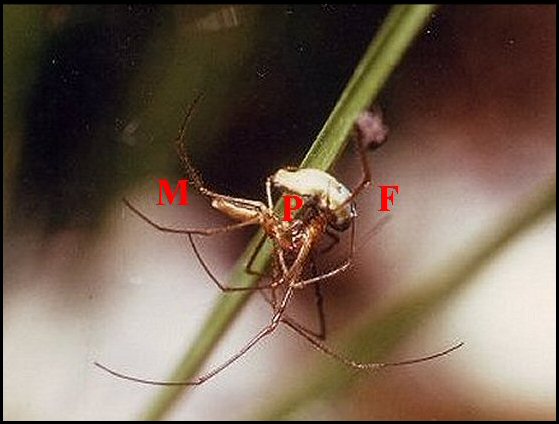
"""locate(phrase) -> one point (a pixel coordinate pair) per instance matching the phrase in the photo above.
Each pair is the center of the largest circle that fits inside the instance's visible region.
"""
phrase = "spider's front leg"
(199, 231)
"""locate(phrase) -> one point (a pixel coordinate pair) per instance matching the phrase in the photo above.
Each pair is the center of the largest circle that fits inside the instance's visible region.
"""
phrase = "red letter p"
(289, 207)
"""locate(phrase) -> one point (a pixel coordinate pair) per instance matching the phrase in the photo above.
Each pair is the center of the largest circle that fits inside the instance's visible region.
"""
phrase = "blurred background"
(93, 98)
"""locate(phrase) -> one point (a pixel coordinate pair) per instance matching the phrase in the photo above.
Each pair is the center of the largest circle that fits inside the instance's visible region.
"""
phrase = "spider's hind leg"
(365, 140)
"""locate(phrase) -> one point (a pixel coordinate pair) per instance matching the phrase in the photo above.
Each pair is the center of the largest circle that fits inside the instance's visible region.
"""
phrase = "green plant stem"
(377, 334)
(394, 38)
(385, 52)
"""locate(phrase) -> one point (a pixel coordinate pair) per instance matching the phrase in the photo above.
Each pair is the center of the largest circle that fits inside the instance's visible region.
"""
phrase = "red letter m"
(164, 185)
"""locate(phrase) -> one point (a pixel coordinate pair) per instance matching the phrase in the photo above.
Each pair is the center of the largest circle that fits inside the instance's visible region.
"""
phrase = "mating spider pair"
(329, 209)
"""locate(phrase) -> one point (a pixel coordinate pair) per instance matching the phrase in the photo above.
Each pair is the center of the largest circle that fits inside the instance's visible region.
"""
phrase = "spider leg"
(272, 301)
(200, 231)
(180, 145)
(347, 263)
(278, 255)
(339, 269)
(319, 301)
(269, 193)
(194, 175)
(205, 377)
(366, 179)
(263, 333)
(212, 276)
(335, 240)
(362, 365)
(248, 267)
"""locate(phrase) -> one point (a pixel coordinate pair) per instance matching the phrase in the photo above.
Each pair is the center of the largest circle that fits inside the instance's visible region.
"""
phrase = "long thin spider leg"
(281, 261)
(269, 193)
(339, 269)
(272, 302)
(319, 301)
(261, 334)
(364, 365)
(200, 231)
(194, 175)
(366, 179)
(321, 335)
(221, 286)
(335, 240)
(248, 267)
(136, 379)
(180, 145)
(310, 336)
(347, 263)
(279, 254)
(332, 273)
(273, 299)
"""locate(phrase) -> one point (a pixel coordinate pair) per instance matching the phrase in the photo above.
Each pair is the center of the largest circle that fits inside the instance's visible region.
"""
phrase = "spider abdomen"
(325, 191)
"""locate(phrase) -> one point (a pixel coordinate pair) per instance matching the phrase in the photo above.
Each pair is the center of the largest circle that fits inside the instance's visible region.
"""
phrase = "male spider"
(329, 208)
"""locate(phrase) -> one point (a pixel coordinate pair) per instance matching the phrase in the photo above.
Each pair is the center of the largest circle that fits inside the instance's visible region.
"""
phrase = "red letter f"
(385, 197)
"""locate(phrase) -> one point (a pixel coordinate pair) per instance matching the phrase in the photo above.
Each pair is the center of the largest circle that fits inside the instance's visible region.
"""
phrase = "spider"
(329, 209)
